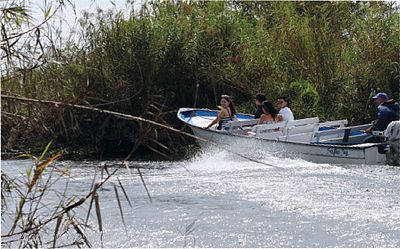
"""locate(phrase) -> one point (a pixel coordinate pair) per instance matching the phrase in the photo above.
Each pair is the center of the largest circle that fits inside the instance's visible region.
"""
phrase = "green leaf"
(44, 152)
(28, 172)
(47, 13)
(72, 199)
(26, 155)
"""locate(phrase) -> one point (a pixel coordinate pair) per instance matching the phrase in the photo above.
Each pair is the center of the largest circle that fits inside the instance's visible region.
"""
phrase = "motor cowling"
(392, 135)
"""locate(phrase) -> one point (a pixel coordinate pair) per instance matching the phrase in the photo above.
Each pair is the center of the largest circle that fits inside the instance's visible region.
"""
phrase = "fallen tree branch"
(129, 117)
(89, 108)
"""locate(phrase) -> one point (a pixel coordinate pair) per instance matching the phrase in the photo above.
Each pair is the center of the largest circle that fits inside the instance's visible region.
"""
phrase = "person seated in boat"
(270, 114)
(388, 111)
(226, 114)
(285, 111)
(260, 98)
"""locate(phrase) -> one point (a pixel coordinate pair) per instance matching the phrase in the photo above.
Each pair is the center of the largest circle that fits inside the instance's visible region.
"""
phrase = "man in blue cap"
(388, 111)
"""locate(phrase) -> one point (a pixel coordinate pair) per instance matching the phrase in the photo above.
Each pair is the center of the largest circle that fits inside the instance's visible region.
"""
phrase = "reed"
(187, 54)
(329, 57)
(44, 214)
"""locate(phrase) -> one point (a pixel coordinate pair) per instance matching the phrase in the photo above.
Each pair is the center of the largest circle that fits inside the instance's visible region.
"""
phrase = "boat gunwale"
(340, 146)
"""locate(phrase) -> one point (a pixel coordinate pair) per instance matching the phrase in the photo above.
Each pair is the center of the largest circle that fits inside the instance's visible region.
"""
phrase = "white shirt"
(287, 114)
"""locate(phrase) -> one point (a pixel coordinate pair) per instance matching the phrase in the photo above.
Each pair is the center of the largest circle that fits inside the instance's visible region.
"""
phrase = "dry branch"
(130, 117)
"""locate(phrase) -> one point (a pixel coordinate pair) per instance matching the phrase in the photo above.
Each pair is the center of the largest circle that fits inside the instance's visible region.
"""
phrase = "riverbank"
(328, 58)
(141, 154)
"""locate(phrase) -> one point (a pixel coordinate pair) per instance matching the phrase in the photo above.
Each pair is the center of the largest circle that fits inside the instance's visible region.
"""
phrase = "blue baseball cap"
(381, 95)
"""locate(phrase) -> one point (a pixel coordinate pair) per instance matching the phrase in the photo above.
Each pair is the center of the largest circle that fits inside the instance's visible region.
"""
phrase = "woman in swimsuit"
(226, 114)
(270, 114)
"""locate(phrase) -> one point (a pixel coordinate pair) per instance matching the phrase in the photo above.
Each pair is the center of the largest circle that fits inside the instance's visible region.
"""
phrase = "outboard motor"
(392, 134)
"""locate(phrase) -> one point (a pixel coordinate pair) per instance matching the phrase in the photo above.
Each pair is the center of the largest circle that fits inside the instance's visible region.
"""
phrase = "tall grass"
(328, 57)
(38, 211)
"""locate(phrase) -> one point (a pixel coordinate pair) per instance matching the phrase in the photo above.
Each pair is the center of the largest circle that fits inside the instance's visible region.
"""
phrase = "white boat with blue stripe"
(327, 142)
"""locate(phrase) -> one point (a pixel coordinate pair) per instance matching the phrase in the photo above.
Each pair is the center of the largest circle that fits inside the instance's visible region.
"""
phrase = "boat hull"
(318, 153)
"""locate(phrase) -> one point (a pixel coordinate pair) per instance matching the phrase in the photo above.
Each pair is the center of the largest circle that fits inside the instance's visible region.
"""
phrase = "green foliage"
(326, 56)
(304, 98)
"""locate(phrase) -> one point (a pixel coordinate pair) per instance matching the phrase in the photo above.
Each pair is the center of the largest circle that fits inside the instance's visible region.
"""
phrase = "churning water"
(220, 200)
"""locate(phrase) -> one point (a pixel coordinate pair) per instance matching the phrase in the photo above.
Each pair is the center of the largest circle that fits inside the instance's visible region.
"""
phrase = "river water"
(219, 200)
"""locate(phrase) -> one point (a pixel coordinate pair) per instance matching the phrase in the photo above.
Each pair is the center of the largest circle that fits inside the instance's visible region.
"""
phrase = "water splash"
(238, 203)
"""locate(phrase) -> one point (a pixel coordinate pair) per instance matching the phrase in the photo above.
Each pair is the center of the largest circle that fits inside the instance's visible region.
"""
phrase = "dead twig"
(130, 117)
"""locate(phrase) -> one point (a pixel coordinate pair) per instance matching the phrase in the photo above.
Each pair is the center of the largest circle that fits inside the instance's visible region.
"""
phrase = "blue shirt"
(387, 112)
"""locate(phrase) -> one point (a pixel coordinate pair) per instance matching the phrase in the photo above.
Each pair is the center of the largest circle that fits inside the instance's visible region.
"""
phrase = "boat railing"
(303, 134)
(336, 123)
(302, 122)
(300, 130)
(301, 125)
(269, 131)
(232, 125)
(305, 130)
(343, 135)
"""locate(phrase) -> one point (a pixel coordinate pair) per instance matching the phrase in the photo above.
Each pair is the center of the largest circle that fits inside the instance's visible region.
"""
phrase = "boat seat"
(300, 130)
(232, 125)
(269, 131)
(351, 134)
(293, 130)
(337, 123)
(299, 137)
(302, 134)
(304, 121)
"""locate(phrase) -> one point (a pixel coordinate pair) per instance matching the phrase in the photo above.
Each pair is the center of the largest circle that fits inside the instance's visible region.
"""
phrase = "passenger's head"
(259, 99)
(227, 102)
(282, 102)
(268, 108)
(380, 98)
